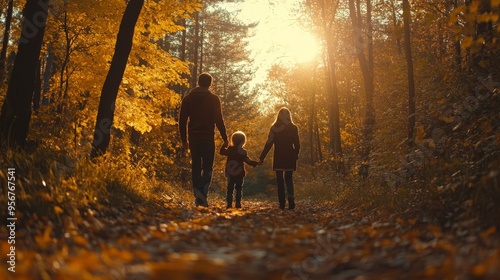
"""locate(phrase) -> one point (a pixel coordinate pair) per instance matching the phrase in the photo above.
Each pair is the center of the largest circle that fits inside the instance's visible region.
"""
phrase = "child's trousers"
(234, 182)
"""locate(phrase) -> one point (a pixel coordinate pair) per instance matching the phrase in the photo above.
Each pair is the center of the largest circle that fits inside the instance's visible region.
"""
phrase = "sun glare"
(299, 46)
(279, 37)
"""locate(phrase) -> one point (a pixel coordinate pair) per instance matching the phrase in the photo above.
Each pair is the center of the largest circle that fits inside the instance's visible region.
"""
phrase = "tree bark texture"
(16, 110)
(366, 65)
(409, 65)
(333, 98)
(113, 80)
(6, 38)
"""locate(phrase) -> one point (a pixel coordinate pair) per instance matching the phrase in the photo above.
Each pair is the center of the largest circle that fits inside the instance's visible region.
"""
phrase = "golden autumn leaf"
(44, 239)
(80, 240)
(58, 210)
(479, 270)
(488, 232)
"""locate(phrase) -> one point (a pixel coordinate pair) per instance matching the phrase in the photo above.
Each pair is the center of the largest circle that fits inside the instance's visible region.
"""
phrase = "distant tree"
(16, 110)
(409, 65)
(324, 15)
(226, 57)
(113, 80)
(6, 38)
(367, 66)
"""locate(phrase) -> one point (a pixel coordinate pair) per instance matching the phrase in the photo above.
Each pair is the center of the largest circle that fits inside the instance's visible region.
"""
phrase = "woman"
(284, 135)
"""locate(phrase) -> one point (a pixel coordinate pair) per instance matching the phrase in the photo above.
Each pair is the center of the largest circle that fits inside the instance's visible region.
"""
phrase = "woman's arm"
(267, 146)
(296, 142)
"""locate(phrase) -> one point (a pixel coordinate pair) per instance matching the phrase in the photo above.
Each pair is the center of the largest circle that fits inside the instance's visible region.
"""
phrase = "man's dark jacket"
(203, 108)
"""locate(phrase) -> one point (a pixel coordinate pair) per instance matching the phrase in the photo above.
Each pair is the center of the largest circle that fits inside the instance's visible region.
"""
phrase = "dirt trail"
(314, 241)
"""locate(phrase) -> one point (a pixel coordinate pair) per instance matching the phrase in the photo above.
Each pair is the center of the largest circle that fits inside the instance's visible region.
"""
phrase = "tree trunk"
(38, 88)
(113, 80)
(318, 140)
(366, 65)
(47, 75)
(196, 48)
(16, 110)
(456, 44)
(6, 38)
(312, 113)
(135, 141)
(183, 40)
(395, 25)
(64, 73)
(409, 65)
(202, 35)
(333, 97)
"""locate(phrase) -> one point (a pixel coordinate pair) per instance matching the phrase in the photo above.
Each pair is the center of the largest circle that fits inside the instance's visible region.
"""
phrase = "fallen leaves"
(317, 240)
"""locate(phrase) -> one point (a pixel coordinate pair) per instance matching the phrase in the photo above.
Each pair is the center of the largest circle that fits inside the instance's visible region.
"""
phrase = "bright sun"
(279, 37)
(298, 45)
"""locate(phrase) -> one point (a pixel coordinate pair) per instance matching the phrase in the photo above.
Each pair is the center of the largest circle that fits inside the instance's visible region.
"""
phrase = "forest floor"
(314, 241)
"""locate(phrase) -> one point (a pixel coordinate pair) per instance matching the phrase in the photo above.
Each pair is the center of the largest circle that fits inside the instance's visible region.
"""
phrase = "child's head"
(238, 138)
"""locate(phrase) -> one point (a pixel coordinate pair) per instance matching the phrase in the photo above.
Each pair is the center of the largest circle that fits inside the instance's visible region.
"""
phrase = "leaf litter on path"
(259, 241)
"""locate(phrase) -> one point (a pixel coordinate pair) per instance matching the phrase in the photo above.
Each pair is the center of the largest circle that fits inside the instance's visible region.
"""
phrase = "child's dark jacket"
(236, 157)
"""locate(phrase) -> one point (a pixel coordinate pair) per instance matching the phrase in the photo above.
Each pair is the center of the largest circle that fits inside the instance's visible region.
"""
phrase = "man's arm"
(183, 117)
(223, 151)
(219, 121)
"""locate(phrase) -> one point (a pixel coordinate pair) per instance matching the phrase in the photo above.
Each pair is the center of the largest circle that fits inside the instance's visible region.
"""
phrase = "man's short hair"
(205, 80)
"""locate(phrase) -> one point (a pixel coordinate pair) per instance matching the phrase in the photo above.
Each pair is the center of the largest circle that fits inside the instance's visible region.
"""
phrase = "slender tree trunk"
(16, 110)
(113, 80)
(366, 65)
(183, 40)
(409, 65)
(38, 88)
(318, 140)
(202, 49)
(311, 126)
(6, 38)
(63, 74)
(135, 141)
(47, 74)
(196, 49)
(395, 25)
(456, 44)
(333, 98)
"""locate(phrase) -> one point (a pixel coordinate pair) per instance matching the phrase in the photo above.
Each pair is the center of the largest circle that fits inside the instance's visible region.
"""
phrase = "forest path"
(314, 241)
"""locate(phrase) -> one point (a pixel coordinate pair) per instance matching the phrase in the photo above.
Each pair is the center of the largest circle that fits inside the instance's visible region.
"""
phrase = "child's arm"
(251, 162)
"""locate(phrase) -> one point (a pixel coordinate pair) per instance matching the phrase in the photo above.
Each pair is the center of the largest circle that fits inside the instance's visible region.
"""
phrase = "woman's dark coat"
(285, 138)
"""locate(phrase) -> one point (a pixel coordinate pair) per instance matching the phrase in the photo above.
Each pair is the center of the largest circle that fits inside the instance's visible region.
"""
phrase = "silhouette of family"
(200, 113)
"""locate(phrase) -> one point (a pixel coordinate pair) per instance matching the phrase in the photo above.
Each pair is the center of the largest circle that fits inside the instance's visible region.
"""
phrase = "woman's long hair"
(284, 117)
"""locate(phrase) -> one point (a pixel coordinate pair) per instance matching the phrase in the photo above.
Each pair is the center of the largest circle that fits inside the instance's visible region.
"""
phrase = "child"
(235, 168)
(284, 135)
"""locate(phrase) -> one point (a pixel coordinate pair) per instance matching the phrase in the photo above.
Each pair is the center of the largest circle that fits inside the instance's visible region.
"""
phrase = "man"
(204, 111)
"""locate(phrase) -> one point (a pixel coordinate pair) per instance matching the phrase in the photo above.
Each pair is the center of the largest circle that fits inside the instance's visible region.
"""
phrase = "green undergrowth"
(449, 201)
(52, 185)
